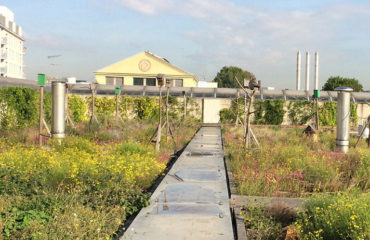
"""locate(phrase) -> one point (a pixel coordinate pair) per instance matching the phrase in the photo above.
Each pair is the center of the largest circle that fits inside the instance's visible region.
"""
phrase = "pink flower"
(139, 176)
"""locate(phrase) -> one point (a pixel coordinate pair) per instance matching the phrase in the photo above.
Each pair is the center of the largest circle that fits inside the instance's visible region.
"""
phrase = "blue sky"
(199, 36)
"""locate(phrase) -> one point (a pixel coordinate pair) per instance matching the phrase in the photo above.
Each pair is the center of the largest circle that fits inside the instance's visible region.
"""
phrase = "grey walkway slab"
(192, 200)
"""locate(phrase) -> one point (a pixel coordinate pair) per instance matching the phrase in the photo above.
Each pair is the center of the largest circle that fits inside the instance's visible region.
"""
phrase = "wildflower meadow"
(290, 164)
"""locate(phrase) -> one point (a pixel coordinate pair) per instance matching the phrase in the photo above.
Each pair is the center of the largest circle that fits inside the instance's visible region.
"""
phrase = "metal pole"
(298, 83)
(307, 86)
(41, 113)
(159, 132)
(58, 90)
(343, 117)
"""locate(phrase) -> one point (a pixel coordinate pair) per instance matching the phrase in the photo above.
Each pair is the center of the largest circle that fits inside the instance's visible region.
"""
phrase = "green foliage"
(300, 112)
(146, 108)
(20, 107)
(125, 106)
(334, 82)
(342, 216)
(269, 112)
(77, 108)
(130, 147)
(259, 225)
(328, 114)
(226, 77)
(287, 161)
(274, 111)
(229, 115)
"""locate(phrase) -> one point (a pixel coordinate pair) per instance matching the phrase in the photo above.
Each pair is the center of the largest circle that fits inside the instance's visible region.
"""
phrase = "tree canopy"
(334, 82)
(226, 77)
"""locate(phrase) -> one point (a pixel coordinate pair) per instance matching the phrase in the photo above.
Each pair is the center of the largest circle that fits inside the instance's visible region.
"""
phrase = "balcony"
(24, 63)
(24, 50)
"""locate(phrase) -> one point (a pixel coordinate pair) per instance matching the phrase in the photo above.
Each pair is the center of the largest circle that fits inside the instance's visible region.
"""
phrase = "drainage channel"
(192, 201)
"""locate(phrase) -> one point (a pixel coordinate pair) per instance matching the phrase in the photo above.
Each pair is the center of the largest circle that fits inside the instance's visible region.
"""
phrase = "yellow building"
(142, 69)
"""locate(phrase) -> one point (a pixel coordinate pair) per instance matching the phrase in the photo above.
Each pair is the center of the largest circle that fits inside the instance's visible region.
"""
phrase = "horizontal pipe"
(207, 92)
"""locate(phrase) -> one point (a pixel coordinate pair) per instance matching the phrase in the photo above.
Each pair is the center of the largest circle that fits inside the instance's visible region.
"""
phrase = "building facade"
(141, 70)
(12, 49)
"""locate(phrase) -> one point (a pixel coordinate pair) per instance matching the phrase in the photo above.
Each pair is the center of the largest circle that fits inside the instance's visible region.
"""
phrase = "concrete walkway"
(192, 201)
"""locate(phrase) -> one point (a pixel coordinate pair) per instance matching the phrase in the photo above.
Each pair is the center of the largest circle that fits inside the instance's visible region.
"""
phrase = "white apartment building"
(12, 49)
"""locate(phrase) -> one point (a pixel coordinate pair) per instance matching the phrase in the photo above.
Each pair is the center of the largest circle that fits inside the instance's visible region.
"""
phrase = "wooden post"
(41, 113)
(247, 129)
(184, 105)
(317, 114)
(167, 121)
(93, 117)
(237, 109)
(245, 115)
(368, 138)
(159, 132)
(117, 106)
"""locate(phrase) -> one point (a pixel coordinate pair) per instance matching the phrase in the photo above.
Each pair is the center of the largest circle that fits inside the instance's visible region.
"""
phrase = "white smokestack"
(307, 87)
(316, 81)
(298, 84)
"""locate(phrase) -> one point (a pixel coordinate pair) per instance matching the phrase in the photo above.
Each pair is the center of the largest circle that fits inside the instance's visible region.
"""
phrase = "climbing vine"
(300, 112)
(19, 107)
(328, 114)
(269, 112)
(77, 108)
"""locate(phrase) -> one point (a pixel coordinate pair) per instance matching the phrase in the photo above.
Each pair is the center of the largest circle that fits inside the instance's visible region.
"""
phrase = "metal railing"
(84, 89)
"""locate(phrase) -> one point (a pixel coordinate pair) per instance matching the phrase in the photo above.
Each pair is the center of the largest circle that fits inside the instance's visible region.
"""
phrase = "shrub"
(342, 216)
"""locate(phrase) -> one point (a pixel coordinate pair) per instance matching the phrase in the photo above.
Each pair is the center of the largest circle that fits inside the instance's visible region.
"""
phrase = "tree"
(226, 77)
(334, 82)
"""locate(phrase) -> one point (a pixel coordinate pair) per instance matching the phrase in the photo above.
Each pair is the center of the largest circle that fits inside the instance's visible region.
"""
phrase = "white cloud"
(262, 38)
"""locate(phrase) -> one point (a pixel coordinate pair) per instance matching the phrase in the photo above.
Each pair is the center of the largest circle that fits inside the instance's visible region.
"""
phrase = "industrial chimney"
(307, 86)
(298, 84)
(316, 77)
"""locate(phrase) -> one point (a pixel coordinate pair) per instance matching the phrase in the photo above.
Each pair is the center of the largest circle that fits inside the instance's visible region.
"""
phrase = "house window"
(109, 80)
(150, 81)
(177, 82)
(119, 81)
(138, 81)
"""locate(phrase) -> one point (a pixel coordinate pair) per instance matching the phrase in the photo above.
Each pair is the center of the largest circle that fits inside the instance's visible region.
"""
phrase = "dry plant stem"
(159, 133)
